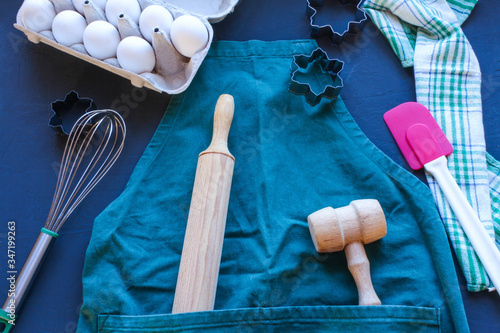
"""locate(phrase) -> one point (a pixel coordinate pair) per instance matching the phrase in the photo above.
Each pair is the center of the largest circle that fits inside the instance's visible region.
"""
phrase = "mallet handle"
(359, 266)
(201, 252)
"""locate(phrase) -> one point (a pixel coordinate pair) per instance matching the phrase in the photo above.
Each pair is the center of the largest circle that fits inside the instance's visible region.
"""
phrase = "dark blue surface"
(33, 76)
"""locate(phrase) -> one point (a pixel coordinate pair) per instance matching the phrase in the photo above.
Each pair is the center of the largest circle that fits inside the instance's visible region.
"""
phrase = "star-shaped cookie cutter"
(335, 37)
(72, 106)
(331, 67)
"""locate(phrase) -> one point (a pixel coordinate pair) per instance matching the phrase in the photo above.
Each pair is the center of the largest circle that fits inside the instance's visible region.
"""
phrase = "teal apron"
(291, 160)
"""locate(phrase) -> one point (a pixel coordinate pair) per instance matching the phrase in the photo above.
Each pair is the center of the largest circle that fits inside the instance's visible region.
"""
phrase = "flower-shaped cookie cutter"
(335, 37)
(72, 106)
(329, 67)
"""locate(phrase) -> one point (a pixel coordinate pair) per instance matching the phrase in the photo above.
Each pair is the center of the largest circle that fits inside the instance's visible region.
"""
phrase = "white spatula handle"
(484, 246)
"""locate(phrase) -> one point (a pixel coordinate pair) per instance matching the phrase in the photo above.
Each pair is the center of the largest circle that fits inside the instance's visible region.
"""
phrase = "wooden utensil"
(349, 227)
(201, 252)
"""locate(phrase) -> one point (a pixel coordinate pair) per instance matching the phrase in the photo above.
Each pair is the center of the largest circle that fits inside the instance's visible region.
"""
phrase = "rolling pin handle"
(223, 116)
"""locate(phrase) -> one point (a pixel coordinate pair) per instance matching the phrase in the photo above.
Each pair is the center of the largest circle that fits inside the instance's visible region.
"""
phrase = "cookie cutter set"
(207, 11)
(328, 66)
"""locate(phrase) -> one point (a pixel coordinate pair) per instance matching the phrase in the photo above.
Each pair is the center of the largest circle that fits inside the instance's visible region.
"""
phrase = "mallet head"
(332, 229)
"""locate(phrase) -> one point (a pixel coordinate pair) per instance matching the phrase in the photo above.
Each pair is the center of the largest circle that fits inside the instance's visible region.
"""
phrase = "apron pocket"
(385, 318)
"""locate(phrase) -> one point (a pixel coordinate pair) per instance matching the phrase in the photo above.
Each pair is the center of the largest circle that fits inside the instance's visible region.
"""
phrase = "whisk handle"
(24, 280)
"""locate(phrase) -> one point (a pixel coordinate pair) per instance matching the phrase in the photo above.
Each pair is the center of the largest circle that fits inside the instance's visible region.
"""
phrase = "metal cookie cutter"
(328, 67)
(73, 106)
(327, 30)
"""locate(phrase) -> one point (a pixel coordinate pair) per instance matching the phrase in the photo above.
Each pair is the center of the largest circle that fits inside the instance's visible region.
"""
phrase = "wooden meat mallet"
(201, 252)
(349, 227)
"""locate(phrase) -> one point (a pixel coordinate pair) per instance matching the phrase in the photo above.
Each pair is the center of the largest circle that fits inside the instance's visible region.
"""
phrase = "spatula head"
(402, 117)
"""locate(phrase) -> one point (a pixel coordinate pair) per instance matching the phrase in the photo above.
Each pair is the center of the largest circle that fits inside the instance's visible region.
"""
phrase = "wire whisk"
(75, 180)
(93, 146)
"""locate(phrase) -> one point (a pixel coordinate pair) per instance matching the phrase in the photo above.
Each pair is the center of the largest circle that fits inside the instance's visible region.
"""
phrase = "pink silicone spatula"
(424, 144)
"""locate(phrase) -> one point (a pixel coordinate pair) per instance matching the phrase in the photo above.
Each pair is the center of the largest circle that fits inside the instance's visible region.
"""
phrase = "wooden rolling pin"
(201, 252)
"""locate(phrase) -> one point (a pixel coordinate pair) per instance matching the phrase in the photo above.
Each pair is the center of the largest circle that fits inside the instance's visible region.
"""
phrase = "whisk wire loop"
(99, 134)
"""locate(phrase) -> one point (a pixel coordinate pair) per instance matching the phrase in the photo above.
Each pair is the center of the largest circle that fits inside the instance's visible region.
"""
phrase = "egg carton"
(207, 11)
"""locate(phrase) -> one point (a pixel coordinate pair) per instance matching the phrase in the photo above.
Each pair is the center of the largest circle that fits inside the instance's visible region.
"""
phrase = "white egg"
(189, 35)
(68, 27)
(101, 39)
(37, 15)
(152, 17)
(79, 4)
(18, 17)
(136, 55)
(117, 7)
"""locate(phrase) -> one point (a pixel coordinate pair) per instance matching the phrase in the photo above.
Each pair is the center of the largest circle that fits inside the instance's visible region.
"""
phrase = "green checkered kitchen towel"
(427, 35)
